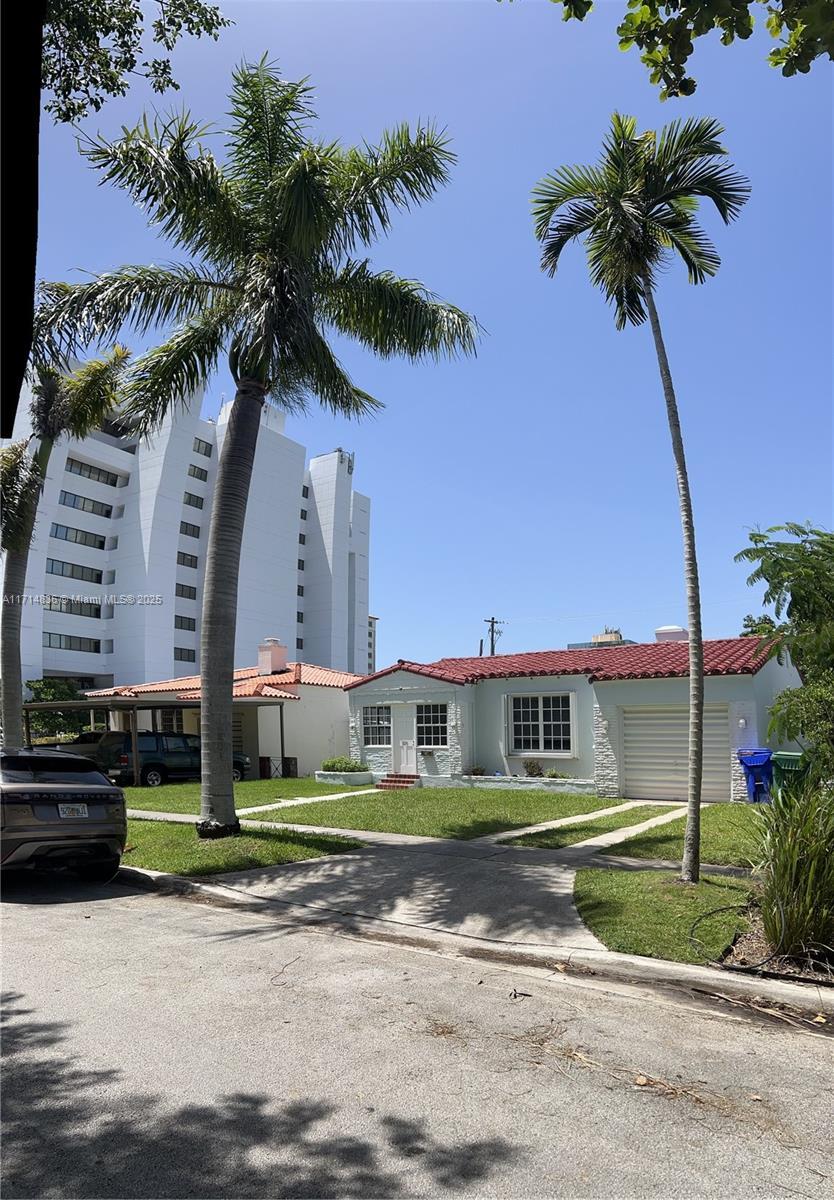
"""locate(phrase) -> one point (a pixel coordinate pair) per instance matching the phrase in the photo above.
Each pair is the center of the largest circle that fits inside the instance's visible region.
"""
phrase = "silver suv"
(59, 811)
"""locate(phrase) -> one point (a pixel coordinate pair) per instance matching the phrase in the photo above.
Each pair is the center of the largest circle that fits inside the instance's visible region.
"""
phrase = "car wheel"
(100, 871)
(153, 776)
(237, 774)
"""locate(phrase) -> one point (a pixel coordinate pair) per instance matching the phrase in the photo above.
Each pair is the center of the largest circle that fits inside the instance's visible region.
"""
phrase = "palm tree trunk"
(11, 683)
(217, 638)
(690, 867)
(14, 587)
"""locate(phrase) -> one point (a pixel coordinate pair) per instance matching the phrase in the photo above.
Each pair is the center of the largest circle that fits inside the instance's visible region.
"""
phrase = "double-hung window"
(541, 724)
(376, 725)
(432, 725)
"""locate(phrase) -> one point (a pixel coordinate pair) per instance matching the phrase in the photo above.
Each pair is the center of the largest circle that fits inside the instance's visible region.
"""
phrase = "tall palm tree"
(271, 235)
(635, 209)
(61, 404)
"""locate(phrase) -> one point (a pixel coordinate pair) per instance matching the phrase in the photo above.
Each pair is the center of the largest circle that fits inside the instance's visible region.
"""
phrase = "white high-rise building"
(114, 586)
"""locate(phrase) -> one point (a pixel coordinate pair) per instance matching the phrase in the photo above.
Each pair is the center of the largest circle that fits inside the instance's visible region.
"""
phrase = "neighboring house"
(114, 587)
(282, 710)
(614, 715)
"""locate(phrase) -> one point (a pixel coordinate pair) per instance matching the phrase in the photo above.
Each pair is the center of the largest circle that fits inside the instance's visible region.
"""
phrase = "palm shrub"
(636, 210)
(71, 404)
(274, 237)
(795, 852)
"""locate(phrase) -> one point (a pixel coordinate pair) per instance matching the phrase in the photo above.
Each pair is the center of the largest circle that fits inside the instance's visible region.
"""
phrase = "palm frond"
(682, 141)
(20, 485)
(314, 368)
(301, 208)
(392, 316)
(172, 177)
(566, 184)
(637, 206)
(403, 170)
(577, 219)
(94, 390)
(679, 232)
(49, 407)
(133, 297)
(269, 119)
(719, 182)
(169, 374)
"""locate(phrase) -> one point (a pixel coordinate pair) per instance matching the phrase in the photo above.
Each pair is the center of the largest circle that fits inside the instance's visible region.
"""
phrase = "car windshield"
(56, 770)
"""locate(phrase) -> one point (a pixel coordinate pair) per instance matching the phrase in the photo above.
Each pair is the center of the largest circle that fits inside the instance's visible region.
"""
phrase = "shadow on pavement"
(58, 887)
(65, 1138)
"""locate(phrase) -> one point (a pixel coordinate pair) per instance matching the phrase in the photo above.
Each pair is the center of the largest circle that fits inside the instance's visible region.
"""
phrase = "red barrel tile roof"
(247, 682)
(649, 660)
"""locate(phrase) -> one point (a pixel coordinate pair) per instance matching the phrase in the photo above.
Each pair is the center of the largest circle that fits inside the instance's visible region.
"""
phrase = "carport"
(130, 706)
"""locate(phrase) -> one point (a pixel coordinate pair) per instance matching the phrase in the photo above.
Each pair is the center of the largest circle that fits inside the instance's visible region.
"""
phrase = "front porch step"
(396, 782)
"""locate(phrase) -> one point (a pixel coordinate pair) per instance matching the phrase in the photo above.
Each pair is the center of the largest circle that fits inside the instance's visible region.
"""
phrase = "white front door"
(405, 739)
(408, 757)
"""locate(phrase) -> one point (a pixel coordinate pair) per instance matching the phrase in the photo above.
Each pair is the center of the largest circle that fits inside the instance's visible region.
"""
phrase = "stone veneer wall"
(606, 768)
(749, 736)
(376, 758)
(445, 760)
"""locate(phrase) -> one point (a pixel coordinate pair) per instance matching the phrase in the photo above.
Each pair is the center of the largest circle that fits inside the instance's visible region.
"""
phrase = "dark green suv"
(162, 756)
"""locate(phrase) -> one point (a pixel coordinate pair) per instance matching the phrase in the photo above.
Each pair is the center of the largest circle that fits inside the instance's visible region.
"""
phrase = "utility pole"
(494, 633)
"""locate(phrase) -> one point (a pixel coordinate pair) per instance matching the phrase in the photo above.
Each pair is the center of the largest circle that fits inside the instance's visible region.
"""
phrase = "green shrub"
(795, 851)
(343, 765)
(551, 774)
(532, 768)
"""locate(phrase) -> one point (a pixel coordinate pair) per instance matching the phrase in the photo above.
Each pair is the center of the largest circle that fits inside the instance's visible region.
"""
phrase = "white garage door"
(656, 752)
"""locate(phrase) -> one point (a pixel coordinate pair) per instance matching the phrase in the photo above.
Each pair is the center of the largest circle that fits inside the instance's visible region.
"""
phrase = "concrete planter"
(344, 777)
(580, 787)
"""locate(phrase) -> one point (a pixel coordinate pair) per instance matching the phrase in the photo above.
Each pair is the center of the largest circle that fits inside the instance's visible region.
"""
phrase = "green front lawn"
(650, 913)
(165, 846)
(439, 812)
(185, 797)
(727, 837)
(569, 835)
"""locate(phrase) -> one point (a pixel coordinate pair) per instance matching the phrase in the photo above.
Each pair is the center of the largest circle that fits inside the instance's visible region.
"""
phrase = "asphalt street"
(161, 1047)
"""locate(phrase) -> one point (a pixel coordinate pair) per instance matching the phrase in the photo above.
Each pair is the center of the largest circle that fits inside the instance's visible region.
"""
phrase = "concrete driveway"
(157, 1047)
(521, 897)
(481, 888)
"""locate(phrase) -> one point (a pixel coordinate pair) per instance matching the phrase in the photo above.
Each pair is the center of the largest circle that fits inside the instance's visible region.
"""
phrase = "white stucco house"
(615, 716)
(281, 710)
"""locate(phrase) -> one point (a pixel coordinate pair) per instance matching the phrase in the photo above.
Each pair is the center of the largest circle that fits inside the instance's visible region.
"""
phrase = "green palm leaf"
(393, 316)
(20, 485)
(636, 208)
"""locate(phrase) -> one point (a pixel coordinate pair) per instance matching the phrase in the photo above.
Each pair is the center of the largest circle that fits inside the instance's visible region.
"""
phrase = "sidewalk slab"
(595, 967)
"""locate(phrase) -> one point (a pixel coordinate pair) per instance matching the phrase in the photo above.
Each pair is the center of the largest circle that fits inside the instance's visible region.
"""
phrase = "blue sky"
(535, 482)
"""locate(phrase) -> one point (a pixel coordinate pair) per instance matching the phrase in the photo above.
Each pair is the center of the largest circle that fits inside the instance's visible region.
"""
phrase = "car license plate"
(72, 810)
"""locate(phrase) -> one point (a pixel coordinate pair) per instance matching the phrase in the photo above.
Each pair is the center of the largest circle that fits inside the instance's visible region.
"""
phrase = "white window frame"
(514, 752)
(444, 726)
(368, 724)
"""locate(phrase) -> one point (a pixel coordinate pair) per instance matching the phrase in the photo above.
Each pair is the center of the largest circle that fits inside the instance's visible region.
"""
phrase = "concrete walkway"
(479, 889)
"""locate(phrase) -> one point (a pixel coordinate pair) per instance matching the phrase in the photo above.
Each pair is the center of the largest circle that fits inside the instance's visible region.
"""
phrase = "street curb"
(602, 964)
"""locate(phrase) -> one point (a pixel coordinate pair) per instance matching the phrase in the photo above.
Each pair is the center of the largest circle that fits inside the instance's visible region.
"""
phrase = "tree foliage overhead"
(798, 574)
(91, 48)
(665, 31)
(757, 626)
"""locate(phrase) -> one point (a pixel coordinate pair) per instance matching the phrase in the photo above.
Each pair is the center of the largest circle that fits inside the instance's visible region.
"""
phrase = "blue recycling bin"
(757, 762)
